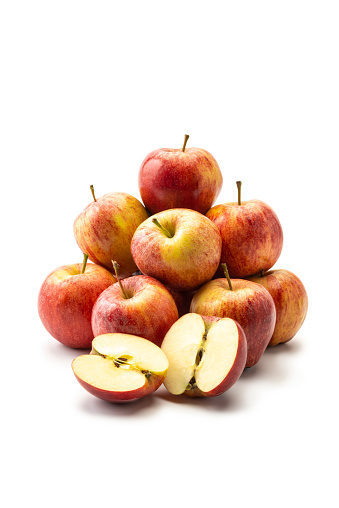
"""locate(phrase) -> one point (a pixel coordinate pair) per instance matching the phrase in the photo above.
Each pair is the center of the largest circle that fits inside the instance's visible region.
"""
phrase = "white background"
(88, 89)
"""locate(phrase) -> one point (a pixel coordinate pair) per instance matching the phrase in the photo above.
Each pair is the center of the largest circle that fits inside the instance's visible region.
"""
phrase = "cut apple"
(206, 355)
(121, 367)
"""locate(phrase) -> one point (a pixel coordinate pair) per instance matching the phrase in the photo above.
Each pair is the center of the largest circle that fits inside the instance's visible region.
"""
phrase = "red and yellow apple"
(252, 236)
(66, 300)
(247, 302)
(179, 247)
(104, 230)
(138, 305)
(179, 178)
(121, 367)
(290, 299)
(206, 355)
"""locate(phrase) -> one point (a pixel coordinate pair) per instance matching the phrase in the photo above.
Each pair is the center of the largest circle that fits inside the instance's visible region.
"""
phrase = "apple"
(252, 237)
(247, 302)
(290, 299)
(121, 367)
(206, 355)
(179, 247)
(179, 178)
(104, 229)
(182, 299)
(138, 305)
(66, 300)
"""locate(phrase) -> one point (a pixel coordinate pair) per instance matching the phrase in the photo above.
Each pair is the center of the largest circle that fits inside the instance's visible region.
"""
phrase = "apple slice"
(206, 355)
(121, 367)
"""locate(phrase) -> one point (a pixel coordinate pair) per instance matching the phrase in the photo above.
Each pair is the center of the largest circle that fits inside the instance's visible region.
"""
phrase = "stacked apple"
(179, 291)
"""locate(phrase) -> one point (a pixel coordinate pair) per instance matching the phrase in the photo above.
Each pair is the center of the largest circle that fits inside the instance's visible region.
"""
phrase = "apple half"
(121, 367)
(206, 355)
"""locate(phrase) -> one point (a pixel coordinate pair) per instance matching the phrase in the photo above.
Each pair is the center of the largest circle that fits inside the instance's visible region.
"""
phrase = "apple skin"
(104, 230)
(186, 260)
(171, 178)
(236, 370)
(252, 236)
(182, 299)
(290, 299)
(149, 311)
(249, 303)
(66, 300)
(149, 387)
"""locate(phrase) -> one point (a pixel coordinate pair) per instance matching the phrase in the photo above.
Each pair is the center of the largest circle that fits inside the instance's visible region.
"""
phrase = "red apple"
(206, 355)
(179, 247)
(121, 367)
(179, 178)
(291, 302)
(138, 305)
(182, 300)
(66, 299)
(252, 237)
(105, 228)
(247, 302)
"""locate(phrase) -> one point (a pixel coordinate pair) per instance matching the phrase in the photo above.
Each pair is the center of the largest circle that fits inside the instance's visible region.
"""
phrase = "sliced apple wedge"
(206, 355)
(121, 367)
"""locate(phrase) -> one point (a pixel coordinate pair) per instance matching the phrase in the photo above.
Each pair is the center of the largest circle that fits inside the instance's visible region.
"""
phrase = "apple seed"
(199, 356)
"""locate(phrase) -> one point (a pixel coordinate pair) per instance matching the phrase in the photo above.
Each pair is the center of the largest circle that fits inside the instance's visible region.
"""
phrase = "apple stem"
(185, 142)
(224, 267)
(116, 267)
(84, 263)
(164, 230)
(262, 272)
(92, 190)
(239, 192)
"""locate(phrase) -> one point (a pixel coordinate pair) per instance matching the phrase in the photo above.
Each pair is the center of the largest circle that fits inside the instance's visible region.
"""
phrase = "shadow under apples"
(224, 402)
(57, 351)
(94, 406)
(273, 365)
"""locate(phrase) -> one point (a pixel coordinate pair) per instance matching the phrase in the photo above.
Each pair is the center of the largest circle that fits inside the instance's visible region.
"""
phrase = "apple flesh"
(66, 299)
(144, 307)
(105, 228)
(179, 247)
(121, 367)
(206, 355)
(248, 303)
(179, 178)
(252, 236)
(290, 299)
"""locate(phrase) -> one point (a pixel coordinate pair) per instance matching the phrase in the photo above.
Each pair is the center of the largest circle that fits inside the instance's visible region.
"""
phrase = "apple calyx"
(164, 230)
(84, 263)
(239, 192)
(92, 191)
(192, 384)
(185, 142)
(224, 267)
(116, 267)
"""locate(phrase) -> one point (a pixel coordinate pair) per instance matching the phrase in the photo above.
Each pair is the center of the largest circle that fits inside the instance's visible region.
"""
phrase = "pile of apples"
(179, 291)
